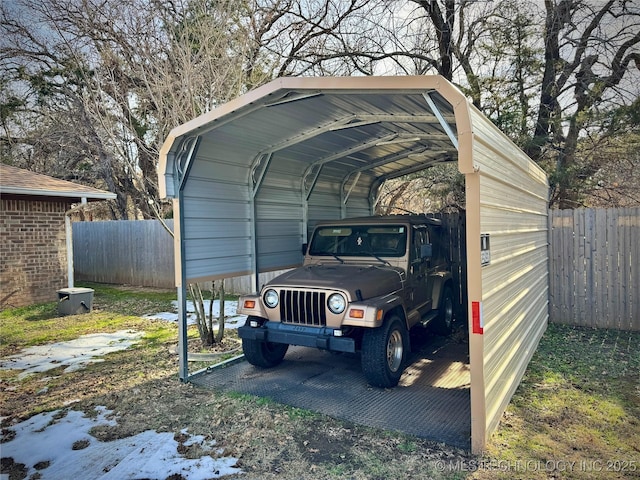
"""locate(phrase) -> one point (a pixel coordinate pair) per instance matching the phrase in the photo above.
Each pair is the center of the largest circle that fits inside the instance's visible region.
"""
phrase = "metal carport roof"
(309, 149)
(251, 178)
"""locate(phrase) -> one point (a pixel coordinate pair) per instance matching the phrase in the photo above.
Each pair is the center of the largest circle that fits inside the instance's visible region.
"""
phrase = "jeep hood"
(371, 280)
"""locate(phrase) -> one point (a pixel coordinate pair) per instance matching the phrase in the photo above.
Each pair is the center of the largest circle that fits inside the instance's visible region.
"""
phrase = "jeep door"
(420, 280)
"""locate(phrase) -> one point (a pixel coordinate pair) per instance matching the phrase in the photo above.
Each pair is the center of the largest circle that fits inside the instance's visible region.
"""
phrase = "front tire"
(384, 352)
(263, 354)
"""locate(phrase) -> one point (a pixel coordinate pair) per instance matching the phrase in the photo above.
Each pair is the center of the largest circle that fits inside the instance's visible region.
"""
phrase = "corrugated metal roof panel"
(388, 129)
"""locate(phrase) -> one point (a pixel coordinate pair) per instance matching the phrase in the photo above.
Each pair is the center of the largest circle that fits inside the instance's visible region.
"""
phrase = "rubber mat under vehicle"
(431, 401)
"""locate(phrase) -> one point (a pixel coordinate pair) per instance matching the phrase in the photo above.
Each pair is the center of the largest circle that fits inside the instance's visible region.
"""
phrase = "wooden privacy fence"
(127, 252)
(134, 252)
(594, 267)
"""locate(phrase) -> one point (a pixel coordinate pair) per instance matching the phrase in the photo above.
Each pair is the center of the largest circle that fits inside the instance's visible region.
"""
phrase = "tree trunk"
(221, 316)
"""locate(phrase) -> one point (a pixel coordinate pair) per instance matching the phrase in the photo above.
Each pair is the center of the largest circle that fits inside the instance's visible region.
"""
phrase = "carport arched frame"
(251, 178)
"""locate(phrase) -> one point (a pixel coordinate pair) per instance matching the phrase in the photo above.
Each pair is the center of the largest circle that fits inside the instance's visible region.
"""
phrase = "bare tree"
(93, 90)
(590, 58)
(130, 70)
(206, 321)
(613, 153)
(113, 78)
(546, 83)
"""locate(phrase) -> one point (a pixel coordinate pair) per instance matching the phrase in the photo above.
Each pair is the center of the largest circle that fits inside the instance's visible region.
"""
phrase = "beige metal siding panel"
(507, 157)
(515, 269)
(504, 376)
(513, 211)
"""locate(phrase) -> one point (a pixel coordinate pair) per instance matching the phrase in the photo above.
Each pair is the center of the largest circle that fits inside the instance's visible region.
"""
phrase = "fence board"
(626, 221)
(594, 270)
(589, 262)
(577, 256)
(614, 270)
(561, 256)
(635, 302)
(623, 260)
(600, 265)
(565, 241)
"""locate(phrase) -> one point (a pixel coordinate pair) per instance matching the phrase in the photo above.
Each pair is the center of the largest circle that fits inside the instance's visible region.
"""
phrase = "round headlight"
(336, 303)
(271, 298)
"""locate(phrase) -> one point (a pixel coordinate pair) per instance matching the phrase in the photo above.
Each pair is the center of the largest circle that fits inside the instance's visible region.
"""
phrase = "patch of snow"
(48, 439)
(232, 319)
(75, 354)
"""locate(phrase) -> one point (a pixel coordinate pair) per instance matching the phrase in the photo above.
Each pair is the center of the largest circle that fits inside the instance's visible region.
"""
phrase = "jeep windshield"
(359, 241)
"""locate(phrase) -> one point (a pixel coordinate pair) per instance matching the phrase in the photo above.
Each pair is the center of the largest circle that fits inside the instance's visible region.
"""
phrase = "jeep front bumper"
(318, 337)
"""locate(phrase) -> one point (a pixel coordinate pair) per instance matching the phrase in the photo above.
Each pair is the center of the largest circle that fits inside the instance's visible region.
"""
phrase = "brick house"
(33, 232)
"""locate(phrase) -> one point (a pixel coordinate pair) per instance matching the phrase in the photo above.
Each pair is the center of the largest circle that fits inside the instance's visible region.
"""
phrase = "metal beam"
(386, 118)
(336, 156)
(349, 151)
(306, 191)
(184, 159)
(257, 183)
(313, 132)
(345, 197)
(292, 97)
(182, 167)
(384, 161)
(183, 362)
(443, 123)
(416, 168)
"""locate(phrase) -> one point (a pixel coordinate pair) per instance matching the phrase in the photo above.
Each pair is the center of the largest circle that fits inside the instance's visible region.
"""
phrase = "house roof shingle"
(18, 181)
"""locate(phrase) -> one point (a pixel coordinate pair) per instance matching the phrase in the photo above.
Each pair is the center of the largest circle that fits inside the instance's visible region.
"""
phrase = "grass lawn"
(577, 409)
(579, 402)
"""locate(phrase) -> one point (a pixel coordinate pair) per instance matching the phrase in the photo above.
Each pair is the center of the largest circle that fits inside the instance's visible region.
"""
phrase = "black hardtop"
(413, 220)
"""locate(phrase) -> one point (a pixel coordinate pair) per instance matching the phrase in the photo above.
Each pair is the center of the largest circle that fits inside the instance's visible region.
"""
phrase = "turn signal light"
(356, 313)
(249, 304)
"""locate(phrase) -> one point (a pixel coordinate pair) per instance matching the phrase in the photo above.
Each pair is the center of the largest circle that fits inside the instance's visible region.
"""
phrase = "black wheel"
(384, 351)
(263, 354)
(444, 322)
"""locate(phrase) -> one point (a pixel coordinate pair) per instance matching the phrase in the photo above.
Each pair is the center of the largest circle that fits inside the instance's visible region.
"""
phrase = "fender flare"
(385, 304)
(440, 280)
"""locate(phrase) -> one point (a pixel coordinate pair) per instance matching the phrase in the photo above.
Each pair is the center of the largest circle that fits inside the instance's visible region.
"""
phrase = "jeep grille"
(303, 307)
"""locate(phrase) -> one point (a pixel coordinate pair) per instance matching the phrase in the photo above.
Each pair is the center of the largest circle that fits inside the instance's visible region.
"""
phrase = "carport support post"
(181, 283)
(182, 167)
(255, 275)
(476, 339)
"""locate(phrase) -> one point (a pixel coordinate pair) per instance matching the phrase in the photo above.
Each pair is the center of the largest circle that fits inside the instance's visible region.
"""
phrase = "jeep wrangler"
(365, 282)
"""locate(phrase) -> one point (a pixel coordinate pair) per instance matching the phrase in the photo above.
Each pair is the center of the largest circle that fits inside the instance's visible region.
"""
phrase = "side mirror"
(304, 248)
(426, 250)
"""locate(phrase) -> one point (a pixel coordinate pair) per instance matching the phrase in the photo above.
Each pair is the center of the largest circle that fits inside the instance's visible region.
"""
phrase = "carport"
(250, 179)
